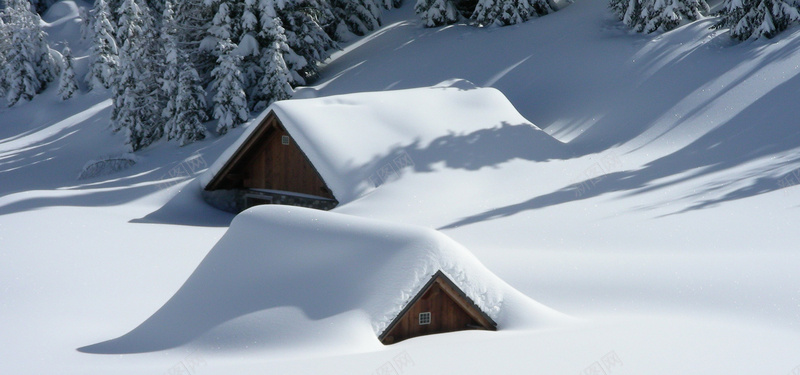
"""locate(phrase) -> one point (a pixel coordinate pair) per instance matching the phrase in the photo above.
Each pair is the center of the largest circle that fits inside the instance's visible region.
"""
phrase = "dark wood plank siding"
(447, 315)
(266, 163)
(283, 167)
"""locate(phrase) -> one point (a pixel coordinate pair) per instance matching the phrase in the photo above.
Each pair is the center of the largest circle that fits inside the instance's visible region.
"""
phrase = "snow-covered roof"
(351, 139)
(305, 268)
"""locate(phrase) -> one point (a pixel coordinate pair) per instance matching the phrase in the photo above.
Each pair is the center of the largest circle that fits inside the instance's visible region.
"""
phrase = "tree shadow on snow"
(743, 139)
(485, 148)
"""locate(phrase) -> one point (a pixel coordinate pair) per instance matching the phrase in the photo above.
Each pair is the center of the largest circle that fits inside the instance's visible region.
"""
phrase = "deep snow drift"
(283, 277)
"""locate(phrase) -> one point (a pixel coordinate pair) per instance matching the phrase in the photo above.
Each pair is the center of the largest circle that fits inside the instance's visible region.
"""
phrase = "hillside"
(666, 228)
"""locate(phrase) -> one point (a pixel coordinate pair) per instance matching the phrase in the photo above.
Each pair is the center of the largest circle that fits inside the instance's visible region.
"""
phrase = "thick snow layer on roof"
(321, 276)
(355, 139)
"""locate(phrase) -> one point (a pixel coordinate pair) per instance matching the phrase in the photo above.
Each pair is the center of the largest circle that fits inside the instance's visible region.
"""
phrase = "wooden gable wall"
(264, 162)
(450, 310)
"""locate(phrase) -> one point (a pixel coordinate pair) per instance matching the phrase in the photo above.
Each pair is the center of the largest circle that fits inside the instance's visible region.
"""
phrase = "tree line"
(172, 66)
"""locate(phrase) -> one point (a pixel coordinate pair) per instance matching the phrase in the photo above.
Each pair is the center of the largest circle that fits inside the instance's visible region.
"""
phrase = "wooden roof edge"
(439, 275)
(469, 305)
(255, 134)
(248, 143)
(408, 306)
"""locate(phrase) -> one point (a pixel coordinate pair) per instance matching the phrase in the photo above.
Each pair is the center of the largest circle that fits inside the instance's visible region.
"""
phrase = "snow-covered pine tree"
(157, 9)
(354, 16)
(221, 25)
(436, 12)
(154, 65)
(666, 15)
(134, 111)
(541, 7)
(86, 23)
(509, 12)
(653, 15)
(192, 18)
(628, 11)
(169, 80)
(501, 12)
(230, 102)
(249, 47)
(67, 84)
(756, 18)
(263, 70)
(30, 65)
(184, 98)
(4, 48)
(487, 12)
(274, 84)
(272, 30)
(104, 55)
(190, 107)
(302, 20)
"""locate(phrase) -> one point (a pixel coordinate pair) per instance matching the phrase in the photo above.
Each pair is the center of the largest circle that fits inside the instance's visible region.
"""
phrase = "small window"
(424, 318)
(285, 140)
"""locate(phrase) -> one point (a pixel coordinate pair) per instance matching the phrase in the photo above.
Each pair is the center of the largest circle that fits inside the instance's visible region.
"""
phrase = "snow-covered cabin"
(321, 152)
(440, 306)
(283, 276)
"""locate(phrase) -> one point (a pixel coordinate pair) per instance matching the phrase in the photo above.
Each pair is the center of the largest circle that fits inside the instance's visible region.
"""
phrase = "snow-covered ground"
(666, 231)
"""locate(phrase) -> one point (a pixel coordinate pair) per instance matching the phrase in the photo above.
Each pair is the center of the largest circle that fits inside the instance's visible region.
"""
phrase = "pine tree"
(230, 103)
(274, 77)
(87, 24)
(668, 14)
(190, 107)
(169, 80)
(354, 16)
(4, 48)
(221, 25)
(436, 12)
(192, 18)
(748, 19)
(30, 65)
(104, 54)
(272, 30)
(249, 47)
(509, 12)
(301, 21)
(134, 109)
(67, 84)
(274, 84)
(653, 15)
(628, 11)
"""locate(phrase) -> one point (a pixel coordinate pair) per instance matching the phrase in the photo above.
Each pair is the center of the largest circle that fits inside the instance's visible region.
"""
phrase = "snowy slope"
(670, 232)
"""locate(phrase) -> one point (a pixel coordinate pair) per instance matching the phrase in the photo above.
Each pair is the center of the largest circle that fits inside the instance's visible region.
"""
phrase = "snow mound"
(106, 166)
(353, 138)
(317, 276)
(60, 11)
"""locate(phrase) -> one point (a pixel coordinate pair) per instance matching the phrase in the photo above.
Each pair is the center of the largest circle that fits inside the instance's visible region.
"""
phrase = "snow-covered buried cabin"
(321, 152)
(440, 306)
(283, 276)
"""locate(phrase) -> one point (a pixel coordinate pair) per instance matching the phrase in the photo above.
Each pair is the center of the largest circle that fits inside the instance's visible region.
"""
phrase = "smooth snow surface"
(351, 139)
(668, 228)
